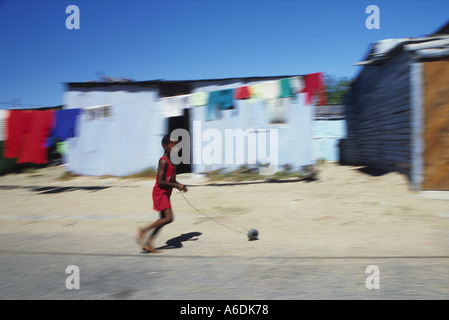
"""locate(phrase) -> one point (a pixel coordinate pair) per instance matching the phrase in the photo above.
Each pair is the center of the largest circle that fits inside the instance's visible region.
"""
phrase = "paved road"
(42, 275)
(319, 250)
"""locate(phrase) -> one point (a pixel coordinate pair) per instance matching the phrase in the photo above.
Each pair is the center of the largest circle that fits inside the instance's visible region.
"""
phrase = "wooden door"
(436, 125)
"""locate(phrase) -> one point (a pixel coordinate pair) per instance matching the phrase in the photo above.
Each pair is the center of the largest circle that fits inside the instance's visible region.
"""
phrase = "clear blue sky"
(186, 39)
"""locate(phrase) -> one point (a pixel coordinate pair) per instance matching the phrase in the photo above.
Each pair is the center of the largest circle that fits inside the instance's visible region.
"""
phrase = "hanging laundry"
(3, 117)
(271, 90)
(64, 126)
(315, 89)
(14, 126)
(225, 99)
(285, 88)
(242, 93)
(219, 100)
(297, 84)
(211, 109)
(198, 99)
(26, 135)
(38, 125)
(173, 106)
(256, 92)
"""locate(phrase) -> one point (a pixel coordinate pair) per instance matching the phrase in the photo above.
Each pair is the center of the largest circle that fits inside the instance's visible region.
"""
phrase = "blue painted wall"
(294, 138)
(326, 136)
(125, 142)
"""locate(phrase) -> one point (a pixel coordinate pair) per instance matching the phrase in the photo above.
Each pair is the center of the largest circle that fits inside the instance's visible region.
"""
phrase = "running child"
(165, 182)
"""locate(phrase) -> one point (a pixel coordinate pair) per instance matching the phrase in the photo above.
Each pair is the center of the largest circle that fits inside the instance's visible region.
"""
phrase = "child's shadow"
(176, 242)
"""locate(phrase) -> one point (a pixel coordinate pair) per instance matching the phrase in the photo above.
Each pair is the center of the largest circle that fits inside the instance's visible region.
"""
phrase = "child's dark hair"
(165, 139)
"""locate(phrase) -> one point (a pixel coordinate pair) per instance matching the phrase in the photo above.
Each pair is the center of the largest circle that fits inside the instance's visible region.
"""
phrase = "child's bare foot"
(140, 237)
(150, 249)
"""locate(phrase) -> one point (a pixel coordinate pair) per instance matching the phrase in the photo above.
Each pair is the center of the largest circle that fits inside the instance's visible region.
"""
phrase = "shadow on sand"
(176, 242)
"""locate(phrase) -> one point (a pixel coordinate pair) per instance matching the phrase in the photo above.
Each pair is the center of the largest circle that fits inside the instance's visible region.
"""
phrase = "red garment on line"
(314, 86)
(242, 93)
(27, 132)
(161, 195)
(13, 128)
(38, 125)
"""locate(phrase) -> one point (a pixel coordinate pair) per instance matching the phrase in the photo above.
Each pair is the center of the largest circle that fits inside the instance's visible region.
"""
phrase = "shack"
(397, 110)
(258, 121)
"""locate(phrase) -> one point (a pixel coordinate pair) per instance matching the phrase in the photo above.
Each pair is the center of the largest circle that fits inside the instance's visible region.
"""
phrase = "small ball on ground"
(253, 234)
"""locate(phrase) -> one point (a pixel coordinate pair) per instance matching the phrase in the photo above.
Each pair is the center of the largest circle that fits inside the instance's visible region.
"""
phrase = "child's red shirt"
(161, 195)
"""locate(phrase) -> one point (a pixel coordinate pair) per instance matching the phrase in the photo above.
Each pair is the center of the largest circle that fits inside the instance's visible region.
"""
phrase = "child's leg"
(166, 218)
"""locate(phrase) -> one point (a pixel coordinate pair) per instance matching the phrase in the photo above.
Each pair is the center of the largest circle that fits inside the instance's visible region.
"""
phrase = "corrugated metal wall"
(127, 140)
(124, 141)
(378, 115)
(294, 138)
(326, 138)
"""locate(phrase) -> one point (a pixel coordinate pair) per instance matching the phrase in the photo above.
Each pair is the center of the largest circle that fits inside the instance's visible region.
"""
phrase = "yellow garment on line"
(256, 91)
(198, 99)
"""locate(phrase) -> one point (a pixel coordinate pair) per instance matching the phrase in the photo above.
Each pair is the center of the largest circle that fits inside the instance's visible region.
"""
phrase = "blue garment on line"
(219, 100)
(65, 125)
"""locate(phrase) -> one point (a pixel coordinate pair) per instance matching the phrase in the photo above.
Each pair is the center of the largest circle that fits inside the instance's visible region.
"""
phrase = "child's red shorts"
(161, 198)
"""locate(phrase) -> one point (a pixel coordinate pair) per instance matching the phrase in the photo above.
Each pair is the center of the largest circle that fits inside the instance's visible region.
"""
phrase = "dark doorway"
(181, 122)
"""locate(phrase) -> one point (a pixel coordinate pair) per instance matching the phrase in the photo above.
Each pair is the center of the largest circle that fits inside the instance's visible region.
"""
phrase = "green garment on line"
(286, 89)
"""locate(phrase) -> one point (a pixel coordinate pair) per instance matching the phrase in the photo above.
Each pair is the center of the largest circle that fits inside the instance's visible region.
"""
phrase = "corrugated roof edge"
(378, 57)
(159, 82)
(381, 57)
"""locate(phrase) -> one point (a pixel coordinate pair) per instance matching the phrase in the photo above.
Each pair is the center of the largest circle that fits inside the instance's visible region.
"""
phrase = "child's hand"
(182, 187)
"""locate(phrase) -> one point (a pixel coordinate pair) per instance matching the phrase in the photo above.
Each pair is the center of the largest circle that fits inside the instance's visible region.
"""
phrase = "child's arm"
(183, 187)
(161, 171)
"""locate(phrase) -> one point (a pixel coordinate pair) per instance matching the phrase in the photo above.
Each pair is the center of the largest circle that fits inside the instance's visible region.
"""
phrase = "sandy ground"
(344, 213)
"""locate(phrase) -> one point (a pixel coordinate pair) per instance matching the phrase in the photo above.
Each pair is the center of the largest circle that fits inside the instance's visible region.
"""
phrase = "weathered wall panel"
(378, 117)
(436, 124)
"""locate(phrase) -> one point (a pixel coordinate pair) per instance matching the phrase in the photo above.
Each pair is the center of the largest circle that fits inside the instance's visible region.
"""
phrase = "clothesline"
(37, 106)
(28, 134)
(295, 83)
(312, 85)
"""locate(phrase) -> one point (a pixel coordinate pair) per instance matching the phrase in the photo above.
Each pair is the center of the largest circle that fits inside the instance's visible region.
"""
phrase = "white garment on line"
(271, 90)
(297, 84)
(173, 106)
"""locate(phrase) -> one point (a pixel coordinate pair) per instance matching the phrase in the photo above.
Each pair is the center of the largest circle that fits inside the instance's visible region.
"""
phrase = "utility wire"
(218, 222)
